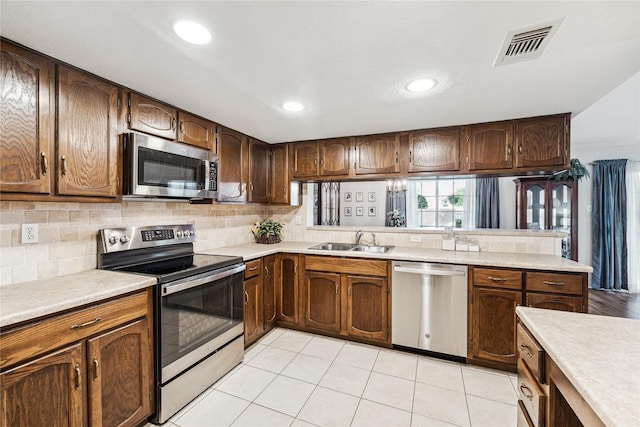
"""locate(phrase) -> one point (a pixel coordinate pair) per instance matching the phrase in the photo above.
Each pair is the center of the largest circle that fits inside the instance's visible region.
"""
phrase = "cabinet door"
(322, 301)
(269, 293)
(258, 171)
(434, 150)
(304, 159)
(555, 302)
(196, 131)
(489, 146)
(252, 309)
(149, 116)
(367, 307)
(279, 174)
(26, 121)
(45, 392)
(288, 289)
(541, 142)
(494, 324)
(334, 157)
(377, 154)
(233, 149)
(87, 135)
(119, 376)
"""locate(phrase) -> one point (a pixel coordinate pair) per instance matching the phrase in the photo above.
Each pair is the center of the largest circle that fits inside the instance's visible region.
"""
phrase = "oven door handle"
(172, 288)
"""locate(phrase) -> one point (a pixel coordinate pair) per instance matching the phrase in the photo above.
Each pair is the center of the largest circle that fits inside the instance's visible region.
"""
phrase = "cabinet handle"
(173, 124)
(251, 186)
(96, 368)
(246, 298)
(526, 391)
(396, 157)
(322, 162)
(337, 289)
(253, 268)
(315, 162)
(85, 324)
(295, 269)
(181, 127)
(64, 165)
(78, 377)
(240, 188)
(409, 156)
(266, 271)
(467, 159)
(45, 163)
(509, 151)
(497, 279)
(349, 290)
(520, 149)
(546, 282)
(526, 350)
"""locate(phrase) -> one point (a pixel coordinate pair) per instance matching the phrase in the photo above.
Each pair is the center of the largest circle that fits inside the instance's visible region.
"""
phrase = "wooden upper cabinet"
(26, 121)
(196, 131)
(279, 174)
(489, 146)
(259, 178)
(304, 159)
(153, 117)
(233, 148)
(377, 154)
(334, 157)
(436, 150)
(542, 142)
(87, 135)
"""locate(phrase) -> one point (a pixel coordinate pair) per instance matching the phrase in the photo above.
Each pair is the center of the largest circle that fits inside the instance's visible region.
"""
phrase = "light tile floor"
(291, 378)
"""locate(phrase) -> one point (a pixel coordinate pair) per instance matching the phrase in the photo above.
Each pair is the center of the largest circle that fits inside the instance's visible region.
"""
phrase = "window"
(440, 203)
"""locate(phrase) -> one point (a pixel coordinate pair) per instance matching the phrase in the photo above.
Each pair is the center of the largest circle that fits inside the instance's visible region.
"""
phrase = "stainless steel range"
(198, 313)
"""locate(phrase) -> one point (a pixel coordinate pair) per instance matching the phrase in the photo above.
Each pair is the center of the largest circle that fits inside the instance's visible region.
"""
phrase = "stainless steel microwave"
(155, 167)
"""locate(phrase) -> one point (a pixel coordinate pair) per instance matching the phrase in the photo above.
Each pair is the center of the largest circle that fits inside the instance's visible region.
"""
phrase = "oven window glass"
(160, 169)
(195, 316)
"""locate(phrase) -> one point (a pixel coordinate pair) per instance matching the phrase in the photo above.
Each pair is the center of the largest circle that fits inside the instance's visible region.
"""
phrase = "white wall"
(608, 129)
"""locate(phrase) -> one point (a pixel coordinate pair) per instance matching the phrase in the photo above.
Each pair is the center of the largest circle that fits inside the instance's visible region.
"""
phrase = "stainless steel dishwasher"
(429, 308)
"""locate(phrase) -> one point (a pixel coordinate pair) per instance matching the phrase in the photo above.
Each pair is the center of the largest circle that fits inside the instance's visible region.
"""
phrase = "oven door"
(197, 316)
(159, 168)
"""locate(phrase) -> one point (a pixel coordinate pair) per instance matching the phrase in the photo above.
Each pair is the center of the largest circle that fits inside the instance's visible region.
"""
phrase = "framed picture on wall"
(347, 196)
(359, 196)
(359, 211)
(372, 211)
(372, 196)
(347, 211)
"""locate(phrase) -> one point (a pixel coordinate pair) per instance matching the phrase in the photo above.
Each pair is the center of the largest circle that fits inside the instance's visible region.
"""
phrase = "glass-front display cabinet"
(546, 204)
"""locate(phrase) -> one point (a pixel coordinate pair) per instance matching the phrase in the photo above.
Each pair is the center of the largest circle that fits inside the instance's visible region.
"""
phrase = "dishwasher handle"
(431, 270)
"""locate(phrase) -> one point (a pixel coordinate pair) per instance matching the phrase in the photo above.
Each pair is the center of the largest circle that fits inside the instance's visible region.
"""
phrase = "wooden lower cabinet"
(322, 301)
(103, 379)
(288, 289)
(252, 309)
(45, 392)
(554, 302)
(493, 325)
(269, 294)
(368, 307)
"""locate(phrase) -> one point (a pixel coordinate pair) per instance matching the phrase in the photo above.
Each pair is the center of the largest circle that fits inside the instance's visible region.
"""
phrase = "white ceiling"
(347, 62)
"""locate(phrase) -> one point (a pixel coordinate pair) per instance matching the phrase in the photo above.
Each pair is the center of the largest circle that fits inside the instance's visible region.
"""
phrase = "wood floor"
(617, 304)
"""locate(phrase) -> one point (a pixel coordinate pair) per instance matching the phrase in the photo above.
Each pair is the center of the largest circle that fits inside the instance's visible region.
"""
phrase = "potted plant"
(267, 231)
(575, 172)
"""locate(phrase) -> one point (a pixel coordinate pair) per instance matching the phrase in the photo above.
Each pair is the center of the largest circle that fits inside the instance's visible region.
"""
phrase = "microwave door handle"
(172, 288)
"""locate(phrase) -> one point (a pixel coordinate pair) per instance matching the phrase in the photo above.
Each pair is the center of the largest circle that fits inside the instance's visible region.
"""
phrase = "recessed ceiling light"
(421, 85)
(293, 106)
(192, 32)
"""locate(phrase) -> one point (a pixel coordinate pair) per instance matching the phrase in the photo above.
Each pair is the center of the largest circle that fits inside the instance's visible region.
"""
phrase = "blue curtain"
(487, 203)
(609, 221)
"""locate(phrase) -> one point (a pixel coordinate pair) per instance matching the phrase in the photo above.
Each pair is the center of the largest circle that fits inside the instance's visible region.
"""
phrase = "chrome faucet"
(359, 234)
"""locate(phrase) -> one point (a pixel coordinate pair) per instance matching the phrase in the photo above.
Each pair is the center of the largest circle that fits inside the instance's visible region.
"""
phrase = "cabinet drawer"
(530, 352)
(364, 267)
(54, 332)
(561, 283)
(508, 279)
(253, 268)
(523, 417)
(531, 395)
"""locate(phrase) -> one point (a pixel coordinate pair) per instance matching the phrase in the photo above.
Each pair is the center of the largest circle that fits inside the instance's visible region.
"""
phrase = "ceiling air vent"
(526, 44)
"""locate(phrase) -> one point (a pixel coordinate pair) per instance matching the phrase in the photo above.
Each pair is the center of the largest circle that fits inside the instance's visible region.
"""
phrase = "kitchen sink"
(352, 247)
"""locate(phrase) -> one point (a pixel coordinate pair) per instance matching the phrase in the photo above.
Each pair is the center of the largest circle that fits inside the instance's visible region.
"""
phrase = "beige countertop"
(498, 259)
(29, 300)
(598, 355)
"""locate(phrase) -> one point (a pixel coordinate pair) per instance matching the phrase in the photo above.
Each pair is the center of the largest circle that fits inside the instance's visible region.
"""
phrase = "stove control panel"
(121, 239)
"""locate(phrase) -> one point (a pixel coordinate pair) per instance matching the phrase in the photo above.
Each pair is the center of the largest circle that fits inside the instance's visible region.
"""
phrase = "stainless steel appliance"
(429, 308)
(198, 307)
(155, 167)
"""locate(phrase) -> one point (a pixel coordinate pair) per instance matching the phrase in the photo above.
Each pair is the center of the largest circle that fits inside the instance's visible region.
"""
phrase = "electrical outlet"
(416, 239)
(29, 233)
(227, 222)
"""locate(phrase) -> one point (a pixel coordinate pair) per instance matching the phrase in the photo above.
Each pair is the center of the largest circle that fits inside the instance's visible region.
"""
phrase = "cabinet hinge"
(117, 182)
(118, 104)
(129, 102)
(149, 394)
(128, 117)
